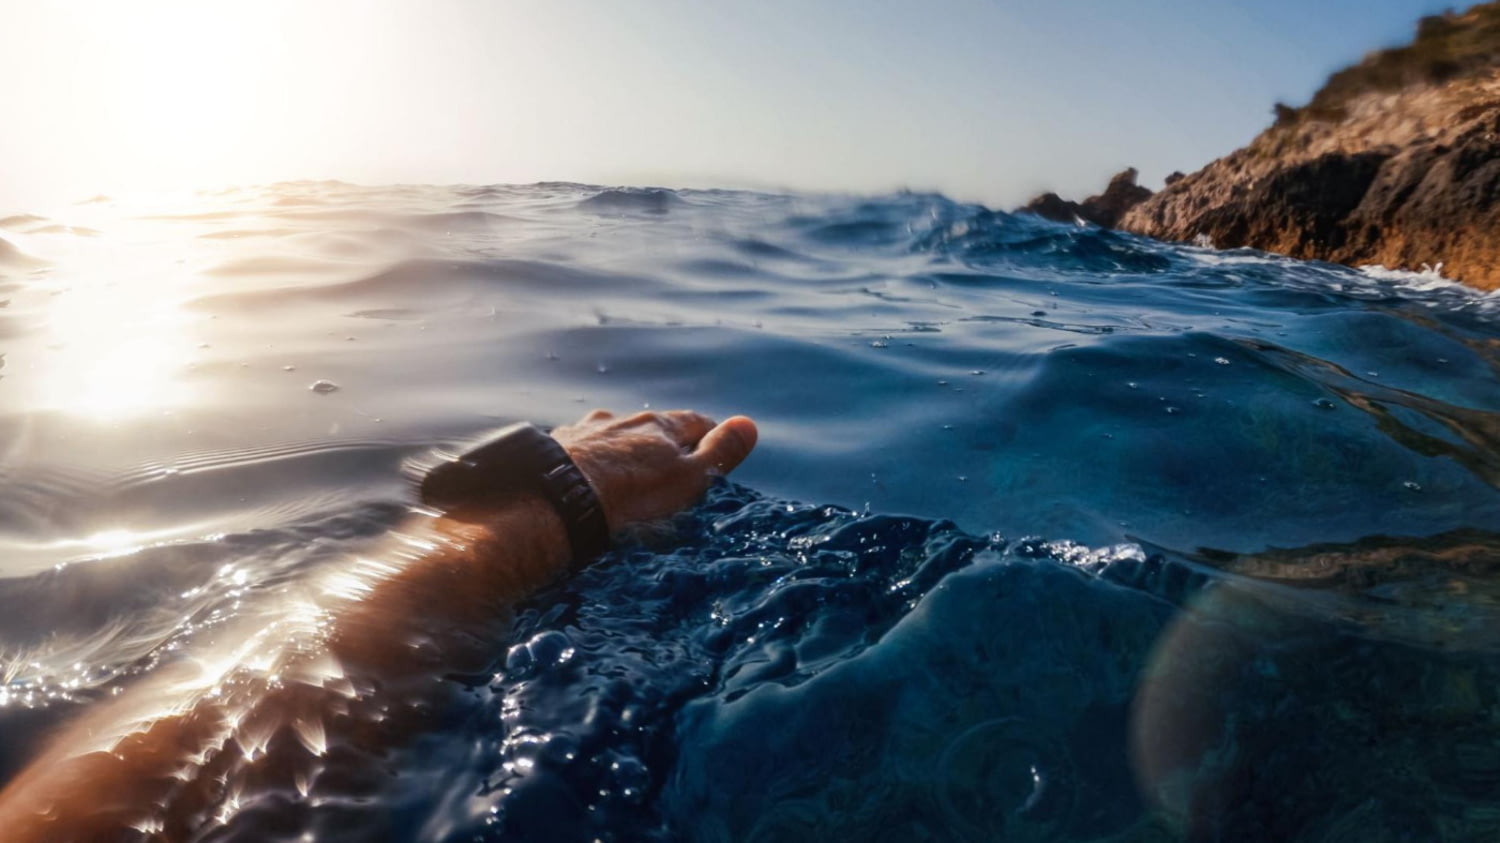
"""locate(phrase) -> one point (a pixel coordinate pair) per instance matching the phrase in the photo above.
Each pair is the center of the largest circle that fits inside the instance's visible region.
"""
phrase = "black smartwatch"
(517, 461)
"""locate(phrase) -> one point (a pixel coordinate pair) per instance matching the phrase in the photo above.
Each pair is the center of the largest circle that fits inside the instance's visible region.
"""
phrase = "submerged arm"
(154, 758)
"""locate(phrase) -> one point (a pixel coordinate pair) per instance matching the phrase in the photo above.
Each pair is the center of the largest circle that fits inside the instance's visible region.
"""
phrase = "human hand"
(650, 465)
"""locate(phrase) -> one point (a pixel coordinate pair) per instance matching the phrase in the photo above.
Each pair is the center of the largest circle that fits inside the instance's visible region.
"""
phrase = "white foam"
(1427, 278)
(1430, 279)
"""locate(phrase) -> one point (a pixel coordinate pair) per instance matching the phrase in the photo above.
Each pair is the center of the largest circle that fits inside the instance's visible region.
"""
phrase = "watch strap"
(518, 460)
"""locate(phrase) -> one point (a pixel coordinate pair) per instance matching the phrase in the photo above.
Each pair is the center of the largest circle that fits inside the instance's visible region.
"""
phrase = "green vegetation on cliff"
(1447, 47)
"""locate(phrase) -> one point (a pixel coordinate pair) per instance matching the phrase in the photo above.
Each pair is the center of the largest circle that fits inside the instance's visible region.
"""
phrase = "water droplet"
(1222, 361)
(878, 344)
(947, 427)
(1442, 360)
(1132, 384)
(1192, 354)
(288, 368)
(551, 355)
(942, 383)
(977, 372)
(1415, 487)
(324, 387)
(963, 478)
(603, 369)
(1324, 404)
(1373, 374)
(1173, 410)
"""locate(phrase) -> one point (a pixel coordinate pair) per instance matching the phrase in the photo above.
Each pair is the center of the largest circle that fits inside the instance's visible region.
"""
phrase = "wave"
(13, 259)
(1021, 487)
(633, 200)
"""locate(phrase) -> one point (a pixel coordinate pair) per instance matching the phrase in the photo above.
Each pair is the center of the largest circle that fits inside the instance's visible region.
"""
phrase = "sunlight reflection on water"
(166, 466)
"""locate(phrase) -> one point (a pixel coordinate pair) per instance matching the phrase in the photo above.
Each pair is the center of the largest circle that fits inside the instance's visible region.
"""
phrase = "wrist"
(592, 467)
(518, 467)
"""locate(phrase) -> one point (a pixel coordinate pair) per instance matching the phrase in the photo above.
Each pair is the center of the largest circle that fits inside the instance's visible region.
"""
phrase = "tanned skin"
(161, 757)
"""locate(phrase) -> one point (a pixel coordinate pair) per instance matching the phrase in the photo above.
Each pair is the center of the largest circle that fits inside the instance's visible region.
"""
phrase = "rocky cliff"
(1105, 210)
(1396, 161)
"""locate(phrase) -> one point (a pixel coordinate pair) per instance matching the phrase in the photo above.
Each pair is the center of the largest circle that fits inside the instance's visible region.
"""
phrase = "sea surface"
(1053, 533)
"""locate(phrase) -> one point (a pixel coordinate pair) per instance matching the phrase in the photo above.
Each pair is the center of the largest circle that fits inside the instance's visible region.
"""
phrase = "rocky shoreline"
(1395, 162)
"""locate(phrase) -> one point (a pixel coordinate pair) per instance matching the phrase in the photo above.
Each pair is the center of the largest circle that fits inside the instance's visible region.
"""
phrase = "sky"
(984, 100)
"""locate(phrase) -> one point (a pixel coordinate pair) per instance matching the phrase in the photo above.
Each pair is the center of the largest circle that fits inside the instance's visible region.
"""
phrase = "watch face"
(510, 463)
(521, 460)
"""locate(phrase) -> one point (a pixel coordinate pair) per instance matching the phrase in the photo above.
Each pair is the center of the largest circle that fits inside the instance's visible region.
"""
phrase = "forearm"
(414, 605)
(159, 757)
(441, 580)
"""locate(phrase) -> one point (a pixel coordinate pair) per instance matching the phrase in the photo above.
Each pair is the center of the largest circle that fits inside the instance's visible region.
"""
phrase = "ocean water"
(1053, 533)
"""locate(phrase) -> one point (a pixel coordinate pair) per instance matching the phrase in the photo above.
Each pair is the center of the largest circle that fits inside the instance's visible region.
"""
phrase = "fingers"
(726, 446)
(683, 427)
(712, 448)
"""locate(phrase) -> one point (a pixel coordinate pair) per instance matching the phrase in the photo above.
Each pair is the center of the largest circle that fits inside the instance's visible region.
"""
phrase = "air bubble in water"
(324, 387)
(1222, 361)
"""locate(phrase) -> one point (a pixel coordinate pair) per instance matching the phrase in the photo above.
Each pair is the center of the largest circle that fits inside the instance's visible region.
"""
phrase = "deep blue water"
(1053, 533)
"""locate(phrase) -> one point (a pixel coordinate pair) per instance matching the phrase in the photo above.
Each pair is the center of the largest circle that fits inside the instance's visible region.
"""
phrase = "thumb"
(726, 446)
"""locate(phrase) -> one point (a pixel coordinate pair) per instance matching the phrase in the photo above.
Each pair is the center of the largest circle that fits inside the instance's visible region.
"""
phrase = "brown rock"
(1053, 207)
(1395, 162)
(1104, 210)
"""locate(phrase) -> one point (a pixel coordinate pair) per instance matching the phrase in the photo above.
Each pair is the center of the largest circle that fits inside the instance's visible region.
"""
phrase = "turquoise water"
(1053, 533)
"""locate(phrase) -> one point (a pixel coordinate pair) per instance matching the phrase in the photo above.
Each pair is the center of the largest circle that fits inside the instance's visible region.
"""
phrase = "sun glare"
(159, 93)
(114, 349)
(114, 542)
